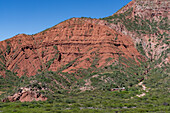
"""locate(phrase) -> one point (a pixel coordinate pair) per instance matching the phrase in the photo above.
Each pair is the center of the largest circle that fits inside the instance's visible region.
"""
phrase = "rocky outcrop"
(148, 8)
(87, 41)
(26, 95)
(145, 21)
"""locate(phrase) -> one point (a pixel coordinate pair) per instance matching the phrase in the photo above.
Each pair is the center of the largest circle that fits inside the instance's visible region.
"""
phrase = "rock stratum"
(76, 38)
(147, 23)
(26, 95)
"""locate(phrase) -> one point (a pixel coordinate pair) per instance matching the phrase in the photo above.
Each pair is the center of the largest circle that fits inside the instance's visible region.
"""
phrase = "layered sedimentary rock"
(145, 21)
(79, 39)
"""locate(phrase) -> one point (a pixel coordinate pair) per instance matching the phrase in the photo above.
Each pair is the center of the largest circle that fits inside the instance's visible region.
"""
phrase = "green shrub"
(70, 101)
(8, 49)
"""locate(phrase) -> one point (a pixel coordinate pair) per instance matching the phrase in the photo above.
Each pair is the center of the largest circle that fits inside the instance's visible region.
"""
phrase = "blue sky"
(32, 16)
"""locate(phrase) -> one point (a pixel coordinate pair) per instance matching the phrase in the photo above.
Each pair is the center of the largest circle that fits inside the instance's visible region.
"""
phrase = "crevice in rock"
(59, 57)
(125, 45)
(117, 45)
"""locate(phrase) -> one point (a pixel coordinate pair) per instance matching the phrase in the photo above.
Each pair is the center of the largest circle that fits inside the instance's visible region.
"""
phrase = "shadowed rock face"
(77, 38)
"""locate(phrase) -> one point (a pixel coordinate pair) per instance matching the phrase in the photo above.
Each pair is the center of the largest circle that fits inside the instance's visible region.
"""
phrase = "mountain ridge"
(87, 37)
(84, 54)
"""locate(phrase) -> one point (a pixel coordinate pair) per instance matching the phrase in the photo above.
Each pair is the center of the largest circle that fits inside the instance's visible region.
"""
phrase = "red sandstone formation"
(25, 95)
(79, 38)
(84, 40)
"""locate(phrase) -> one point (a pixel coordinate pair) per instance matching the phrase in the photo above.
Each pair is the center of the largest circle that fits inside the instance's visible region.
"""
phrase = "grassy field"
(94, 102)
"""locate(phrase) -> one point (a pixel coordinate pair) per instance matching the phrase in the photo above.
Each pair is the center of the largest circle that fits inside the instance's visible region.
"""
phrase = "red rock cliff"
(81, 38)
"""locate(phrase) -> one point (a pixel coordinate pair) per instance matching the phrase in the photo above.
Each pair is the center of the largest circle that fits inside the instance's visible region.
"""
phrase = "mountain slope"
(82, 39)
(147, 23)
(101, 55)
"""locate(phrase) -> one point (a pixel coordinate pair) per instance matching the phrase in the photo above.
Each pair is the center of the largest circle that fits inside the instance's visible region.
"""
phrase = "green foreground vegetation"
(99, 100)
(94, 102)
